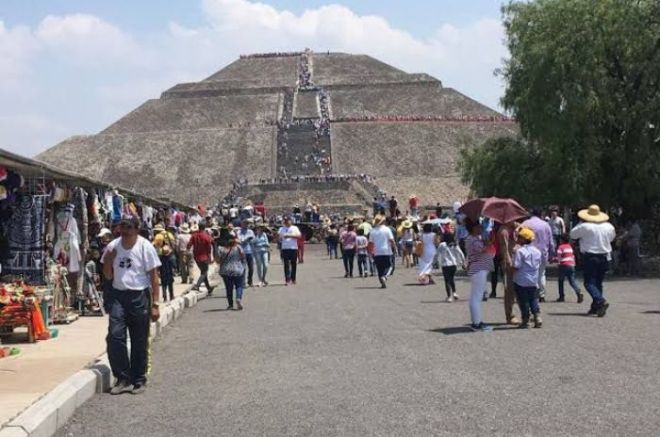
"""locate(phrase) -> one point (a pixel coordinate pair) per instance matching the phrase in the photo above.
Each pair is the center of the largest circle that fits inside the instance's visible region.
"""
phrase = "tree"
(583, 81)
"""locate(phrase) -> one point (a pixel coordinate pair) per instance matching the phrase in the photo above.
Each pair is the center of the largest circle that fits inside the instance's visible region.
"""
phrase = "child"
(526, 265)
(450, 258)
(566, 259)
(167, 267)
(362, 254)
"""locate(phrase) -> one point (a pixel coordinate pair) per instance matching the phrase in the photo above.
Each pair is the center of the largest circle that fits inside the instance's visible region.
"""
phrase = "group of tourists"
(518, 252)
(411, 118)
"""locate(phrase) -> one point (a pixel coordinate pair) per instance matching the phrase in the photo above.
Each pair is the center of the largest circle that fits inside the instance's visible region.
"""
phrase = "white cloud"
(91, 71)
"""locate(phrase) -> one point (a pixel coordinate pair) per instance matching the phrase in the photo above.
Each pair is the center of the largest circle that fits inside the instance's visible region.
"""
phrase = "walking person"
(557, 225)
(130, 267)
(506, 242)
(246, 237)
(596, 235)
(382, 240)
(231, 259)
(332, 240)
(261, 252)
(301, 248)
(288, 238)
(348, 240)
(167, 268)
(450, 257)
(542, 241)
(527, 260)
(480, 262)
(566, 259)
(393, 205)
(429, 240)
(183, 255)
(408, 242)
(202, 248)
(361, 244)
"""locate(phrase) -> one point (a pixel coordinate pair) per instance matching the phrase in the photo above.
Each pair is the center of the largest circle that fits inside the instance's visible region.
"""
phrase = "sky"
(73, 67)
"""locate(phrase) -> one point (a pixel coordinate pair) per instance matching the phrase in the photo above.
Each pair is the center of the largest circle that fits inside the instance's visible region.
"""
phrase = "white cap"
(103, 232)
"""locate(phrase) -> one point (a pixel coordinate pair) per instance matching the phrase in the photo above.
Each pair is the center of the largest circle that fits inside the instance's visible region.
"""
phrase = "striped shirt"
(565, 255)
(478, 260)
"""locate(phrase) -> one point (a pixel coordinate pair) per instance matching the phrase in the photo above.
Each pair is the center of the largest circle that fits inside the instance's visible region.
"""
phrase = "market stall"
(53, 227)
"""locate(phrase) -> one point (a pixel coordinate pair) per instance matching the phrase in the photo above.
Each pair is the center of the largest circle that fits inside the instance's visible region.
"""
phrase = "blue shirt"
(246, 237)
(527, 261)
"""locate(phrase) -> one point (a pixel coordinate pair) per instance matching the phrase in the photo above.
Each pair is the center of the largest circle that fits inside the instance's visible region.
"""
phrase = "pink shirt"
(565, 255)
(348, 240)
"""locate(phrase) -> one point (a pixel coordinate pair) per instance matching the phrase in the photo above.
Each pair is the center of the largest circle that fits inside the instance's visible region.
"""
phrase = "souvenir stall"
(54, 226)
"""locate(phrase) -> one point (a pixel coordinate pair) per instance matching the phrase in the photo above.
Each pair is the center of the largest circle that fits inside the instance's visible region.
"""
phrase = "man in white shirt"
(288, 238)
(130, 267)
(383, 243)
(595, 235)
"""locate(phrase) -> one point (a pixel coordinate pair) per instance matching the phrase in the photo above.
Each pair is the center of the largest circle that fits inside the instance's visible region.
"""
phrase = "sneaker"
(383, 282)
(493, 295)
(455, 296)
(345, 275)
(449, 299)
(211, 290)
(592, 311)
(537, 321)
(230, 307)
(580, 298)
(481, 327)
(293, 282)
(195, 288)
(239, 306)
(602, 310)
(513, 321)
(541, 299)
(484, 299)
(139, 388)
(265, 283)
(561, 299)
(121, 387)
(524, 324)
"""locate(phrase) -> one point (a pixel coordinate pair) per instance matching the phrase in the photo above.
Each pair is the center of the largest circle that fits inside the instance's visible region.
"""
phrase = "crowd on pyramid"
(413, 117)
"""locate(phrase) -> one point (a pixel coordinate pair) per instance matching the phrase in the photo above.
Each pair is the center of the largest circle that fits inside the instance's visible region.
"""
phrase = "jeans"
(363, 265)
(231, 283)
(567, 272)
(594, 267)
(290, 261)
(332, 247)
(349, 260)
(478, 282)
(249, 272)
(128, 310)
(203, 275)
(528, 299)
(541, 283)
(262, 259)
(168, 287)
(448, 273)
(383, 265)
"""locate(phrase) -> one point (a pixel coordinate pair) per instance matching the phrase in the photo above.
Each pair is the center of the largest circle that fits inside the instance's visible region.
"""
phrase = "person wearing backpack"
(451, 258)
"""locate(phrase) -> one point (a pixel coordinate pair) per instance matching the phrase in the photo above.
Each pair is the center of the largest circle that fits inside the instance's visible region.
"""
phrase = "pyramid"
(262, 117)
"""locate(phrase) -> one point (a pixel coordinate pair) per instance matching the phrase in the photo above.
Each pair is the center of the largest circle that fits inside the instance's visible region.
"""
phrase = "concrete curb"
(55, 408)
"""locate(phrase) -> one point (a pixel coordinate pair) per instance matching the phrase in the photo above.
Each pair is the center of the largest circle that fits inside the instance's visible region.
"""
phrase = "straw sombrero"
(407, 224)
(185, 228)
(593, 214)
(159, 228)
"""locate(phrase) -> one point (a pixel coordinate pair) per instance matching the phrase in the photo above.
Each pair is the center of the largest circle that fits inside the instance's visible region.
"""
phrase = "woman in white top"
(450, 257)
(425, 266)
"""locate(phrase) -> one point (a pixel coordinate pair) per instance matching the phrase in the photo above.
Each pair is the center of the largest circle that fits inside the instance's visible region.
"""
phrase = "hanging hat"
(159, 228)
(526, 233)
(185, 228)
(593, 214)
(103, 232)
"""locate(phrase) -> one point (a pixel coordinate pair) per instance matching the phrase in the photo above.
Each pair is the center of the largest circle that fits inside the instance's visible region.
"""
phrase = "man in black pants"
(288, 236)
(130, 269)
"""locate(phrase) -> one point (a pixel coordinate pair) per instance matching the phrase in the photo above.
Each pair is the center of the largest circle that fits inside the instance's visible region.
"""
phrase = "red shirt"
(565, 255)
(202, 245)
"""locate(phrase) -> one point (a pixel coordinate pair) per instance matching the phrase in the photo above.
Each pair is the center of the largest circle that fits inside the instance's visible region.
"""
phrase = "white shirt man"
(382, 239)
(288, 237)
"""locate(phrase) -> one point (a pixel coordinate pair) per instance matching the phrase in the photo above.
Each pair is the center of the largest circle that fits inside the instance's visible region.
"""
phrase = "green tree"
(583, 81)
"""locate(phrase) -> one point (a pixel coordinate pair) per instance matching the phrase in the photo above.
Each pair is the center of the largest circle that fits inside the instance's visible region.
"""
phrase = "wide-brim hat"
(593, 214)
(379, 220)
(194, 227)
(185, 228)
(103, 232)
(407, 224)
(159, 228)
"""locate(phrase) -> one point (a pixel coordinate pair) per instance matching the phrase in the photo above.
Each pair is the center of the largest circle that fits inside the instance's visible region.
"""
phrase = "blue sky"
(73, 67)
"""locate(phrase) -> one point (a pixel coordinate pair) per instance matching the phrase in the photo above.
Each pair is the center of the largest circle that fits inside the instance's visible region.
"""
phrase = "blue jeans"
(231, 283)
(567, 272)
(261, 259)
(594, 267)
(528, 300)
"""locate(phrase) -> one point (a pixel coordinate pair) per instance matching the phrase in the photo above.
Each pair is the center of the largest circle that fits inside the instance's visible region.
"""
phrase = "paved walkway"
(41, 366)
(340, 357)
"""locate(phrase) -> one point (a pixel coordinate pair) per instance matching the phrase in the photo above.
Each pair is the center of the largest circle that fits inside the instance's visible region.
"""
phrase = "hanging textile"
(67, 239)
(25, 237)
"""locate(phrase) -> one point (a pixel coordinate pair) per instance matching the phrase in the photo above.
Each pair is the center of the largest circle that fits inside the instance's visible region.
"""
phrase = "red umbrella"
(498, 209)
